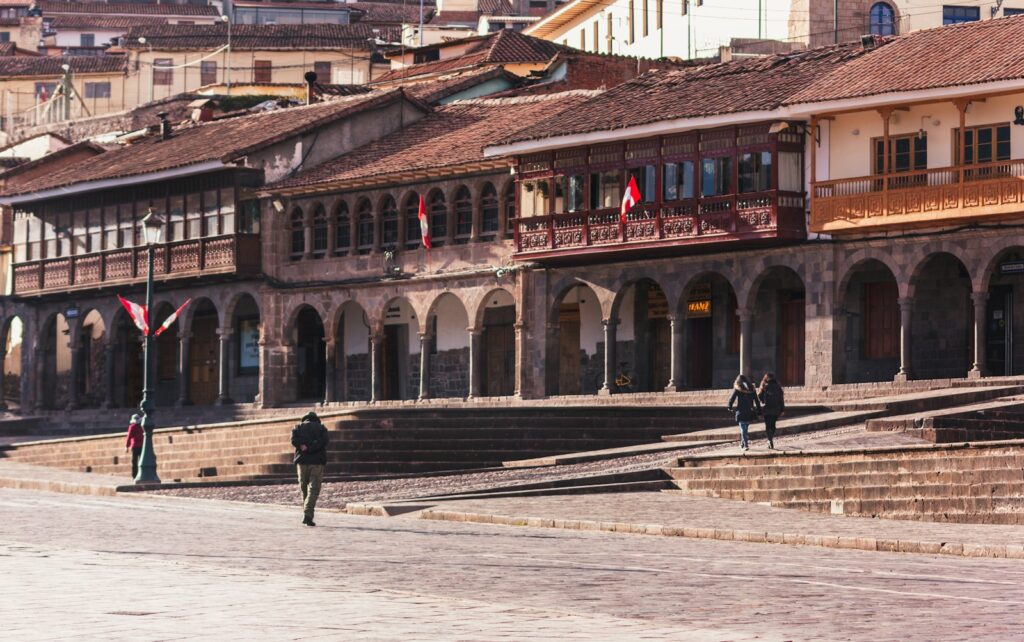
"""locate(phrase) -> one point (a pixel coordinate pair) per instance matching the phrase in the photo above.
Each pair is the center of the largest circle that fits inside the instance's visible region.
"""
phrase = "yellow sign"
(697, 309)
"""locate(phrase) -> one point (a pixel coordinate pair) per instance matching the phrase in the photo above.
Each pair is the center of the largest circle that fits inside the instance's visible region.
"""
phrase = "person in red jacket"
(134, 443)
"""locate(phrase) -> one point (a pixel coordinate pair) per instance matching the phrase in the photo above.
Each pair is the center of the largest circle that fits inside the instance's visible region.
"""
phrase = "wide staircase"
(978, 483)
(992, 421)
(373, 442)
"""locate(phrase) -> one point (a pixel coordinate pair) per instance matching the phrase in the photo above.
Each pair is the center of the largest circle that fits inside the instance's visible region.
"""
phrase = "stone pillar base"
(672, 388)
(974, 373)
(223, 401)
(901, 377)
(604, 392)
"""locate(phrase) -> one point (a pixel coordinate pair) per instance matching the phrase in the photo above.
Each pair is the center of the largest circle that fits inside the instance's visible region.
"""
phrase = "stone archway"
(495, 319)
(868, 341)
(643, 337)
(575, 345)
(711, 332)
(310, 355)
(778, 310)
(942, 318)
(1000, 311)
(448, 347)
(204, 353)
(352, 354)
(399, 358)
(12, 342)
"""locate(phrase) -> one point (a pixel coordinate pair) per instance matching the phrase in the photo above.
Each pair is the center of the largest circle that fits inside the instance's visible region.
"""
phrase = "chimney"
(165, 125)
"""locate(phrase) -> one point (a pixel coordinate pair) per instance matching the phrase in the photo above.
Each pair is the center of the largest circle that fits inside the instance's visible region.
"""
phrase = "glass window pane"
(227, 210)
(670, 188)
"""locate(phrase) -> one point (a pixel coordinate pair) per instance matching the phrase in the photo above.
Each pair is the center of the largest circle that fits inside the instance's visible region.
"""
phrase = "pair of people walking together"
(748, 403)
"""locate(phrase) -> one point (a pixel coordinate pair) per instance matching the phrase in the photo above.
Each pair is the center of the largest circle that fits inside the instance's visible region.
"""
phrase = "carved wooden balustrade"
(231, 254)
(721, 218)
(944, 195)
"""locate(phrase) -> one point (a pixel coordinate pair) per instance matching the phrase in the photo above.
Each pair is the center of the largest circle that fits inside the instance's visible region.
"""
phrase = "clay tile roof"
(456, 17)
(749, 84)
(496, 8)
(8, 48)
(439, 88)
(11, 66)
(390, 13)
(503, 46)
(89, 21)
(221, 140)
(451, 136)
(50, 7)
(963, 54)
(254, 37)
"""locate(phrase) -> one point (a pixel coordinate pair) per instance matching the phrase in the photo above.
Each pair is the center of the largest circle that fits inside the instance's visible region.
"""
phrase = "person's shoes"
(744, 447)
(771, 445)
(308, 522)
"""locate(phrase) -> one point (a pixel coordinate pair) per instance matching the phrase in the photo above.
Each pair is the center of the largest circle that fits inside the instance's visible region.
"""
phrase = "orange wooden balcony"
(656, 226)
(233, 254)
(916, 199)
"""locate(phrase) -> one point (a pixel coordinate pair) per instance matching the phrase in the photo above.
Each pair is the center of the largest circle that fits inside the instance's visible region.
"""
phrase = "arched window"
(463, 215)
(411, 213)
(342, 230)
(389, 224)
(319, 232)
(490, 212)
(883, 19)
(298, 229)
(364, 218)
(437, 209)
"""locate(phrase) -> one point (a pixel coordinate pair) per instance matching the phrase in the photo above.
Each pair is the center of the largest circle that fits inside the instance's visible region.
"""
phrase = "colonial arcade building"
(848, 214)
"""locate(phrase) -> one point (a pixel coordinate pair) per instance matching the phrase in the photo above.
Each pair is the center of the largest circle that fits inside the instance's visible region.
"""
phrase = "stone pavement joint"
(675, 515)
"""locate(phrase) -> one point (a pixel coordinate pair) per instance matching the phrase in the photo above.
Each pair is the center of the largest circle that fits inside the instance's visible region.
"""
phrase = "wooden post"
(961, 106)
(885, 112)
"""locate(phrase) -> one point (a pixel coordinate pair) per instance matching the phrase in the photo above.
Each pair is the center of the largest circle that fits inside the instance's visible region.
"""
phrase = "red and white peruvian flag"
(138, 314)
(629, 199)
(171, 319)
(424, 226)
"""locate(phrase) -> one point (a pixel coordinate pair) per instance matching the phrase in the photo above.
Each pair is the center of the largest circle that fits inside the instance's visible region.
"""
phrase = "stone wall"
(449, 373)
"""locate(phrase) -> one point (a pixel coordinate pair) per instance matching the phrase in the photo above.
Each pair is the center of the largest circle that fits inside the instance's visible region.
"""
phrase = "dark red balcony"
(236, 254)
(757, 217)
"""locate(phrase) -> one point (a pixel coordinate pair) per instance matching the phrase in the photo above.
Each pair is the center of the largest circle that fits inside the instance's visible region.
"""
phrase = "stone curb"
(964, 549)
(58, 486)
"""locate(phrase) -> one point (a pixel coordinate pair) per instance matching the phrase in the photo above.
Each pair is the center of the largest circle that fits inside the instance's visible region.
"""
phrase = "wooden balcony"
(236, 254)
(949, 195)
(764, 216)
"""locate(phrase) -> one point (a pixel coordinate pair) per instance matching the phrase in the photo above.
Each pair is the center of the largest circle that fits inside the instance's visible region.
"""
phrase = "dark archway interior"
(870, 323)
(311, 363)
(942, 319)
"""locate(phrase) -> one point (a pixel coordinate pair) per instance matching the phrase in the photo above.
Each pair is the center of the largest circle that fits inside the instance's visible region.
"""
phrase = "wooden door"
(701, 352)
(500, 352)
(390, 366)
(791, 339)
(660, 354)
(881, 320)
(569, 351)
(203, 361)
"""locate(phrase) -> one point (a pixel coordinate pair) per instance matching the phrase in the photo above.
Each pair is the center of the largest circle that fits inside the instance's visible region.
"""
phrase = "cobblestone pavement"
(145, 567)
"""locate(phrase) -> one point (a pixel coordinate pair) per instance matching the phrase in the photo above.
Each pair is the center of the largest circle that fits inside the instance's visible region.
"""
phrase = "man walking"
(133, 443)
(310, 441)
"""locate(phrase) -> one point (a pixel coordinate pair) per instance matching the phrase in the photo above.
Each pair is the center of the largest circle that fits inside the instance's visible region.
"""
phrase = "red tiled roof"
(496, 8)
(439, 88)
(50, 7)
(220, 140)
(11, 66)
(750, 84)
(963, 54)
(456, 17)
(88, 21)
(254, 37)
(503, 46)
(8, 48)
(453, 135)
(389, 13)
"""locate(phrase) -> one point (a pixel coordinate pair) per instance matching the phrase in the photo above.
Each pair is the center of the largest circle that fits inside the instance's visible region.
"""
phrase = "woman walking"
(773, 403)
(745, 404)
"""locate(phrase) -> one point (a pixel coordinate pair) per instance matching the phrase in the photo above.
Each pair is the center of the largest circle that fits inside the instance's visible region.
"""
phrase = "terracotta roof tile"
(224, 140)
(455, 17)
(388, 13)
(254, 37)
(503, 46)
(8, 48)
(496, 8)
(437, 89)
(964, 54)
(50, 7)
(11, 66)
(749, 84)
(452, 135)
(90, 21)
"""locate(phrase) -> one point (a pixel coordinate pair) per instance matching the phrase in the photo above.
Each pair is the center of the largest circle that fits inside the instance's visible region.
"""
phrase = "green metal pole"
(147, 463)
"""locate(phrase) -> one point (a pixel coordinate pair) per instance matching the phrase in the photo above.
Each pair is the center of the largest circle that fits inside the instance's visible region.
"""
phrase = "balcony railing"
(947, 195)
(232, 254)
(721, 218)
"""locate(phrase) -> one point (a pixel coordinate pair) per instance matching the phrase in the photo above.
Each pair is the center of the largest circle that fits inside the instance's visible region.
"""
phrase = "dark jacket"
(772, 399)
(745, 405)
(313, 435)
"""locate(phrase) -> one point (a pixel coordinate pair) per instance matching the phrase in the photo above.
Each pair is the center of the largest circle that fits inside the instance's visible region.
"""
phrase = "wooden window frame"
(957, 161)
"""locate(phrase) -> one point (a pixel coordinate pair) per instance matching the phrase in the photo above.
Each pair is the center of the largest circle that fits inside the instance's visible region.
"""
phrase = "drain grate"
(131, 613)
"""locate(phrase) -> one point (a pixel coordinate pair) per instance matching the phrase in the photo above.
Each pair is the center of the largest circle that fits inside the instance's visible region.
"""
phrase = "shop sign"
(71, 313)
(698, 309)
(249, 347)
(1012, 267)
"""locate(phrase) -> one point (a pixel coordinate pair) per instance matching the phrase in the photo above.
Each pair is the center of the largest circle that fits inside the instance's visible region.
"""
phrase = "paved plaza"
(164, 568)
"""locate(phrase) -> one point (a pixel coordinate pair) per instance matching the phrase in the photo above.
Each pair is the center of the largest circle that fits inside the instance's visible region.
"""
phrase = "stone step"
(850, 480)
(757, 470)
(930, 508)
(865, 492)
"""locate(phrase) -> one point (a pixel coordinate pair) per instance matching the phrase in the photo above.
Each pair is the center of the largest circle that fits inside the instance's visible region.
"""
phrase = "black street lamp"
(153, 227)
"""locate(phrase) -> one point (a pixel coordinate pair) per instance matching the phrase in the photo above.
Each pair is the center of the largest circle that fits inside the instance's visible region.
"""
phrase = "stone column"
(76, 366)
(224, 382)
(520, 364)
(3, 366)
(108, 374)
(329, 372)
(184, 368)
(477, 218)
(375, 382)
(675, 382)
(980, 299)
(475, 354)
(424, 365)
(745, 315)
(906, 308)
(39, 368)
(609, 356)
